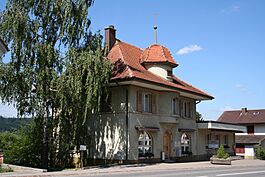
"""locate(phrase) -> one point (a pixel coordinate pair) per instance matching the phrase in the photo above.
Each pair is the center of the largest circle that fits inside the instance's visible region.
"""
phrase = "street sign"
(82, 147)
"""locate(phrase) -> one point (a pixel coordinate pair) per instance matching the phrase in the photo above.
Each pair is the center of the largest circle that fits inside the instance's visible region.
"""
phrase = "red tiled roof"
(249, 139)
(157, 53)
(127, 57)
(238, 117)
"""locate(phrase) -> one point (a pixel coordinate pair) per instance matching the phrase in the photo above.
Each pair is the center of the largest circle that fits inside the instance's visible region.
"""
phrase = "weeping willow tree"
(56, 73)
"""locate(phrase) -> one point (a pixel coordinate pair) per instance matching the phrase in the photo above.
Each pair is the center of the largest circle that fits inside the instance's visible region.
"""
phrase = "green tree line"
(12, 124)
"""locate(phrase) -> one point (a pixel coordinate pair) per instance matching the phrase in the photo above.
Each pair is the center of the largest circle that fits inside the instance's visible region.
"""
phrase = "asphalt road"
(239, 168)
(201, 172)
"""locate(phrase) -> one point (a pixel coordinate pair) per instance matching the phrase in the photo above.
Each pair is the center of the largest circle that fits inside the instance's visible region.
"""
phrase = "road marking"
(242, 173)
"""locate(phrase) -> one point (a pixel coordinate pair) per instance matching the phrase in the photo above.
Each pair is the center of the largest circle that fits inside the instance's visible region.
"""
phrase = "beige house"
(151, 112)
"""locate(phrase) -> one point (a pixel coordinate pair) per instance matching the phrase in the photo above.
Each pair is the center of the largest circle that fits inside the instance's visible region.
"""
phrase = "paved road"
(239, 168)
(215, 172)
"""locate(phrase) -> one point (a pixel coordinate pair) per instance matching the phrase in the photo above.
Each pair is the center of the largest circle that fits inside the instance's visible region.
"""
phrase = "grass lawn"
(4, 170)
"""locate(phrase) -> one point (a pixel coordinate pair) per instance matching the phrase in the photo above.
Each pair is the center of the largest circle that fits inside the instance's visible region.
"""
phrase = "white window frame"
(185, 142)
(145, 143)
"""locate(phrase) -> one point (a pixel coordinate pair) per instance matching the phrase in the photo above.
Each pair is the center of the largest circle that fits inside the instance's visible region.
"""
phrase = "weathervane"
(155, 28)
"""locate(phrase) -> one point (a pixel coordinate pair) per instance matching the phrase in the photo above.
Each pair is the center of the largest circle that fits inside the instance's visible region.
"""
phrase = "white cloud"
(241, 87)
(189, 49)
(231, 9)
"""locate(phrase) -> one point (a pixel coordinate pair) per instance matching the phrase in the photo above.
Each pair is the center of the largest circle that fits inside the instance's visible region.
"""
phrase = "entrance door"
(166, 144)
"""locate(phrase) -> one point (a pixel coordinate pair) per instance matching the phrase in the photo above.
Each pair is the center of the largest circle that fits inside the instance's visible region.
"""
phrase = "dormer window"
(158, 60)
(169, 73)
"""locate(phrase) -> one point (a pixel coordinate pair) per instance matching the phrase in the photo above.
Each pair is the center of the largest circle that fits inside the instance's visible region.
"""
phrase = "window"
(146, 102)
(144, 144)
(185, 144)
(169, 73)
(175, 106)
(187, 109)
(105, 103)
(250, 129)
(208, 139)
(217, 139)
(226, 139)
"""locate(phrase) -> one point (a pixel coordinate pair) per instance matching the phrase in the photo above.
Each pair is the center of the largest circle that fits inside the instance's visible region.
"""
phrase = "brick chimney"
(110, 37)
(244, 111)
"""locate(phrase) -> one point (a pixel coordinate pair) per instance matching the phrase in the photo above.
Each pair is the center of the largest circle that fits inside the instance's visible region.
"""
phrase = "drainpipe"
(127, 124)
(197, 132)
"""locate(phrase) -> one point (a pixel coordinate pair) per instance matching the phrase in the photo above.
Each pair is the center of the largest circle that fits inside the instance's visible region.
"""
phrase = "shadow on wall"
(108, 138)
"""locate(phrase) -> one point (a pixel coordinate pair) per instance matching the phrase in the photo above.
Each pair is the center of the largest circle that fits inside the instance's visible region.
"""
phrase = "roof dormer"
(158, 60)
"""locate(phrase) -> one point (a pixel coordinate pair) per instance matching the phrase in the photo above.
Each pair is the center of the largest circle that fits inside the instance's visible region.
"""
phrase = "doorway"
(166, 144)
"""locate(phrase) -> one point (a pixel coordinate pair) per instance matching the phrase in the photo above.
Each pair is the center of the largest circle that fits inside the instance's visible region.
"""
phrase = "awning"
(186, 130)
(147, 129)
(249, 139)
(220, 126)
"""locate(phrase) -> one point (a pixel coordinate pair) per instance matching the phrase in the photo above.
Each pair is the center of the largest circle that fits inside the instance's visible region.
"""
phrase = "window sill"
(148, 113)
(175, 115)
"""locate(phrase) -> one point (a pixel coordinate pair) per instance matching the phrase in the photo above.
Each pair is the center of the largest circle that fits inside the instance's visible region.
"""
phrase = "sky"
(219, 45)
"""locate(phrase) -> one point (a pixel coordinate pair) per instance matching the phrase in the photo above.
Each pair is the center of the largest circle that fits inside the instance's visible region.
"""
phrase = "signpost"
(82, 149)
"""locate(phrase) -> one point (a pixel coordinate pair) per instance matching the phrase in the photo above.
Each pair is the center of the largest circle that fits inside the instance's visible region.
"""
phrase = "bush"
(260, 152)
(221, 153)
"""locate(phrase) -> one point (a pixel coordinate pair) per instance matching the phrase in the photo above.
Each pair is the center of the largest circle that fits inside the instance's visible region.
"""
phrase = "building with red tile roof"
(254, 120)
(133, 63)
(152, 112)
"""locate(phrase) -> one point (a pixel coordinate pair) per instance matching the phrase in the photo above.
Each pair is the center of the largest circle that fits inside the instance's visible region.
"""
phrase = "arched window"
(185, 144)
(144, 144)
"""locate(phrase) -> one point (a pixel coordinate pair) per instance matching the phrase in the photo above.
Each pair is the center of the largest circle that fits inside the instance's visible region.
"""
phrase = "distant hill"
(11, 124)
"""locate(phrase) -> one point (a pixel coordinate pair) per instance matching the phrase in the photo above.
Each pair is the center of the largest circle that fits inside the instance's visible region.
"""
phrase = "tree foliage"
(57, 72)
(199, 117)
(22, 147)
(221, 153)
(260, 152)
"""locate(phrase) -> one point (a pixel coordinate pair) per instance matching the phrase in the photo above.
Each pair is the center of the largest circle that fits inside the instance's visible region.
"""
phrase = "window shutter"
(153, 98)
(139, 100)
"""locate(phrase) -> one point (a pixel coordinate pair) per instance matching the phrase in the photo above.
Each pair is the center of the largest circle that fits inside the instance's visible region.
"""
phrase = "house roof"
(127, 60)
(157, 53)
(220, 126)
(246, 117)
(249, 139)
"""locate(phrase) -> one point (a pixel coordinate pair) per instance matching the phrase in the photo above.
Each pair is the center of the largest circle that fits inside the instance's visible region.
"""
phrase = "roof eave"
(203, 97)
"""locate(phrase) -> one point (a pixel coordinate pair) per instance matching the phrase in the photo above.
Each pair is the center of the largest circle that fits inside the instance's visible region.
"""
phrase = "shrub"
(221, 153)
(260, 152)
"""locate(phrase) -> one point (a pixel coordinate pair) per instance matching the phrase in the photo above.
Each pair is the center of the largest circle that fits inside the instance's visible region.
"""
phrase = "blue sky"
(219, 45)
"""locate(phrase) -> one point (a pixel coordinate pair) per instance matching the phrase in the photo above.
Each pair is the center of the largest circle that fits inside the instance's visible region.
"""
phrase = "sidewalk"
(137, 168)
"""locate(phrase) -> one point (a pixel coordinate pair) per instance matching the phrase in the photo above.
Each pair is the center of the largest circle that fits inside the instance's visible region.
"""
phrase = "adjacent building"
(254, 121)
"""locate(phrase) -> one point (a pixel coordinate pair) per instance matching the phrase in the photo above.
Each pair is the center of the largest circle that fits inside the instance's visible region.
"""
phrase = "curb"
(22, 168)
